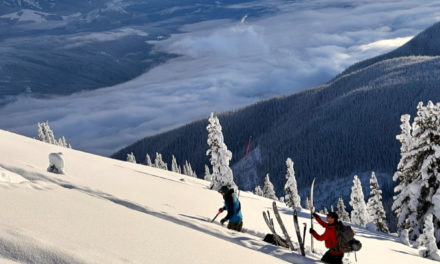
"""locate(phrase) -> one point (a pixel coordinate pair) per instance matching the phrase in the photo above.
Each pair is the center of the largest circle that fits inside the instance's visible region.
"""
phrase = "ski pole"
(218, 213)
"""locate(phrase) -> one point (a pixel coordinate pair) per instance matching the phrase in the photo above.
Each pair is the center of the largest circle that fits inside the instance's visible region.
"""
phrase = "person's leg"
(327, 258)
(235, 226)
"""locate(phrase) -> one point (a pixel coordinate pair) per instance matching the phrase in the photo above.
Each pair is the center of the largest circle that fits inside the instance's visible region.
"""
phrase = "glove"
(315, 215)
(222, 221)
(311, 231)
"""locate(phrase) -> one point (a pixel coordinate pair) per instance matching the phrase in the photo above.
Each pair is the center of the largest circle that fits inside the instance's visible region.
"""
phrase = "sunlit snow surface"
(109, 211)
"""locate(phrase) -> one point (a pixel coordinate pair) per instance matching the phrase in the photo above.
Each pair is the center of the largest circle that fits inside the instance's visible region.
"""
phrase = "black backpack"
(346, 240)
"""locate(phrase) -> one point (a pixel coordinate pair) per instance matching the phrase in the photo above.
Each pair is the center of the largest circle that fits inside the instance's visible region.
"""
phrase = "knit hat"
(223, 189)
(333, 215)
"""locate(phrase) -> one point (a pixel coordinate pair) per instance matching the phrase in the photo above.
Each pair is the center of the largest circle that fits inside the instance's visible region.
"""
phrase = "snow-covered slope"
(109, 211)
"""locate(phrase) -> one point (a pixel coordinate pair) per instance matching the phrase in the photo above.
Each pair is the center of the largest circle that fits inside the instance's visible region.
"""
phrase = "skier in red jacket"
(333, 255)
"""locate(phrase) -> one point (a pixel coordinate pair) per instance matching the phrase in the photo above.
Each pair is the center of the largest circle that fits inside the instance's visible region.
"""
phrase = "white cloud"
(226, 64)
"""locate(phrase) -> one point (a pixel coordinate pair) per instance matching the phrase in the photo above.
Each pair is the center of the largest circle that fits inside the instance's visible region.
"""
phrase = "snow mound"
(9, 177)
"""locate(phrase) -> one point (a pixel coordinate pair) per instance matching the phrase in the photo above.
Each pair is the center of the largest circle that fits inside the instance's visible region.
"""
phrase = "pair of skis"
(301, 240)
(278, 240)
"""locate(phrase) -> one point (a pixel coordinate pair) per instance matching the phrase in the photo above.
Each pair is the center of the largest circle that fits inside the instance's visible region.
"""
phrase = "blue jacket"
(232, 204)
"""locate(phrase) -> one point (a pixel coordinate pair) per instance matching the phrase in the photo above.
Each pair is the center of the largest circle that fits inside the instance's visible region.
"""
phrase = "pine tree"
(208, 176)
(131, 158)
(268, 189)
(174, 166)
(325, 211)
(405, 175)
(148, 161)
(342, 213)
(159, 163)
(220, 156)
(418, 192)
(307, 205)
(331, 208)
(428, 241)
(375, 208)
(292, 198)
(359, 215)
(42, 135)
(258, 191)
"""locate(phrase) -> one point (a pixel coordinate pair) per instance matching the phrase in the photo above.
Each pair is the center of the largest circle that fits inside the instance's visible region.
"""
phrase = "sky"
(224, 65)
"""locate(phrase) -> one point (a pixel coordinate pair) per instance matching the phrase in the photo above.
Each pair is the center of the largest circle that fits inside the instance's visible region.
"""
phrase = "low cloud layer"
(227, 64)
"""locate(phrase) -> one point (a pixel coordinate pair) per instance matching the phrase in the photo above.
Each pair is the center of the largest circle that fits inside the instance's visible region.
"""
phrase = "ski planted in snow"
(283, 228)
(298, 232)
(312, 210)
(269, 223)
(304, 233)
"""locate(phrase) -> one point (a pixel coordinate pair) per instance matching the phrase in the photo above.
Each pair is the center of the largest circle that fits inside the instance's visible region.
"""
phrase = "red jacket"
(330, 237)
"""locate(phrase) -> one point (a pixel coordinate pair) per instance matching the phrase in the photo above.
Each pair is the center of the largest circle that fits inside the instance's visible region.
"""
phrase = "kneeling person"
(233, 207)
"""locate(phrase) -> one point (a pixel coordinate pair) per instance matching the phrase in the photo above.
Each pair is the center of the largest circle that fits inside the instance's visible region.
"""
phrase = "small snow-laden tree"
(325, 210)
(46, 134)
(404, 237)
(427, 240)
(292, 198)
(258, 191)
(331, 208)
(268, 189)
(418, 192)
(56, 163)
(220, 156)
(42, 134)
(307, 203)
(174, 166)
(342, 213)
(359, 215)
(208, 176)
(148, 161)
(159, 163)
(375, 208)
(131, 158)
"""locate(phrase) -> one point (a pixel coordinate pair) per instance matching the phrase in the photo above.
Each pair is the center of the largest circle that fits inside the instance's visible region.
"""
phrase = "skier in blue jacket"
(233, 206)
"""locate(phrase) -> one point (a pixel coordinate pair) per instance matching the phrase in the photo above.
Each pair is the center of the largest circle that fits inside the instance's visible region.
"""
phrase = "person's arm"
(230, 206)
(319, 237)
(320, 221)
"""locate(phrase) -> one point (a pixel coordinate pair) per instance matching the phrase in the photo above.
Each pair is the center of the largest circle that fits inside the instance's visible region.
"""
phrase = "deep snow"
(108, 211)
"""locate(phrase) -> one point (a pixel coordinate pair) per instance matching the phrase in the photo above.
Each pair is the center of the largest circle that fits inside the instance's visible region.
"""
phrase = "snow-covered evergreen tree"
(331, 208)
(418, 192)
(258, 191)
(325, 210)
(159, 163)
(375, 208)
(342, 213)
(208, 176)
(46, 134)
(292, 198)
(404, 237)
(359, 214)
(427, 240)
(131, 158)
(220, 156)
(148, 161)
(307, 203)
(268, 189)
(174, 166)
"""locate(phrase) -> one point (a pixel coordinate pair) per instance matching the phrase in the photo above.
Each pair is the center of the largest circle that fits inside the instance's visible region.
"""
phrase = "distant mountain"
(333, 131)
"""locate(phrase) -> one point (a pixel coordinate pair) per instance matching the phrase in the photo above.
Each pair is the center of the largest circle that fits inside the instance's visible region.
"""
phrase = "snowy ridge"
(109, 211)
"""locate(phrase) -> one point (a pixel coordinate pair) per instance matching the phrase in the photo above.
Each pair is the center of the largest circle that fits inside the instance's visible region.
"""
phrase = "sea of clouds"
(224, 65)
